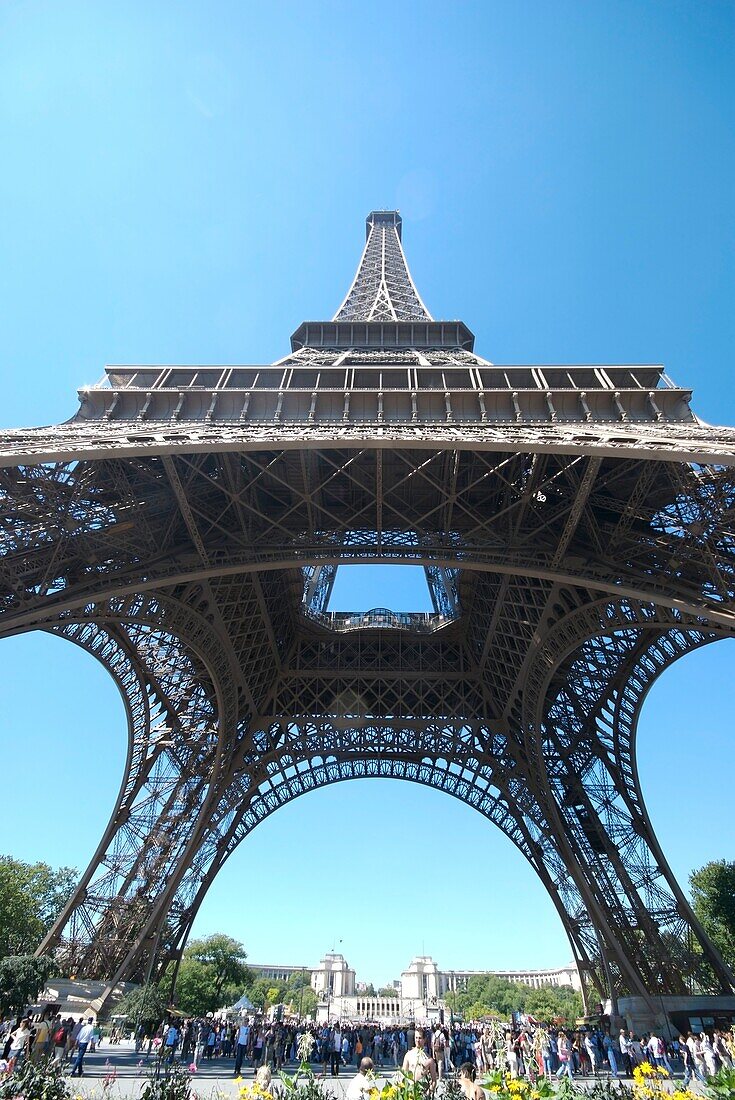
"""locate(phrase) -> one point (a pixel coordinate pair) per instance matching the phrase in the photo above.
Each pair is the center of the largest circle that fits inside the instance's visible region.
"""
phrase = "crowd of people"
(528, 1050)
(50, 1038)
(259, 1044)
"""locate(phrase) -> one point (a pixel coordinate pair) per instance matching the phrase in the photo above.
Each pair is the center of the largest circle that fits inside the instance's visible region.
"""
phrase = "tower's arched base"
(676, 1016)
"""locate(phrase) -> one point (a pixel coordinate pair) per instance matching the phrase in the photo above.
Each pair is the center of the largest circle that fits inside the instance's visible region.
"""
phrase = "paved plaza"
(116, 1070)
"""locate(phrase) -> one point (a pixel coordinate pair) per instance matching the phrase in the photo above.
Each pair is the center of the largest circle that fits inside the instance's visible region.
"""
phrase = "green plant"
(35, 1081)
(721, 1086)
(168, 1084)
(452, 1090)
(403, 1087)
(605, 1090)
(302, 1085)
(501, 1085)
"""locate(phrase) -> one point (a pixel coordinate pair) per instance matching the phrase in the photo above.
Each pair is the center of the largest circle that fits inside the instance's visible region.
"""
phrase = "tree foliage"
(489, 995)
(713, 900)
(146, 1005)
(213, 973)
(22, 977)
(387, 991)
(31, 897)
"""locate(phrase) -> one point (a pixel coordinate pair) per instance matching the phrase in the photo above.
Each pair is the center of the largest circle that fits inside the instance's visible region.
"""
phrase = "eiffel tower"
(575, 524)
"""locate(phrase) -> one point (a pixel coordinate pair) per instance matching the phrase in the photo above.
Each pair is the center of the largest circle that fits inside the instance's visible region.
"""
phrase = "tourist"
(335, 1049)
(590, 1047)
(511, 1054)
(241, 1046)
(20, 1042)
(466, 1081)
(485, 1051)
(662, 1055)
(635, 1050)
(84, 1038)
(625, 1053)
(611, 1054)
(721, 1050)
(418, 1063)
(695, 1050)
(58, 1038)
(170, 1043)
(708, 1053)
(263, 1080)
(564, 1053)
(362, 1083)
(41, 1036)
(438, 1050)
(687, 1059)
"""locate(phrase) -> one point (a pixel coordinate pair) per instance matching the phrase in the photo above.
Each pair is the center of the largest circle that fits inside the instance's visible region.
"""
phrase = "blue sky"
(186, 182)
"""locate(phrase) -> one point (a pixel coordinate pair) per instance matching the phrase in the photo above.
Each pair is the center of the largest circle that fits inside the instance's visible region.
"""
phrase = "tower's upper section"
(383, 289)
(383, 308)
(383, 362)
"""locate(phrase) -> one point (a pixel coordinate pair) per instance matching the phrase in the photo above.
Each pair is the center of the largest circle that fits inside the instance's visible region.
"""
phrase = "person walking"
(611, 1055)
(438, 1047)
(590, 1047)
(84, 1038)
(20, 1043)
(564, 1054)
(170, 1042)
(58, 1038)
(335, 1050)
(625, 1055)
(695, 1049)
(686, 1057)
(241, 1047)
(708, 1053)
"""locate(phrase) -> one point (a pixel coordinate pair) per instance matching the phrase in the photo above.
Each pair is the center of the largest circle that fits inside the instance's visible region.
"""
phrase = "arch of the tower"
(561, 782)
(470, 765)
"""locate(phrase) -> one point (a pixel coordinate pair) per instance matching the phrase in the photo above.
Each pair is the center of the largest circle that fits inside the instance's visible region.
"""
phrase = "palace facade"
(420, 994)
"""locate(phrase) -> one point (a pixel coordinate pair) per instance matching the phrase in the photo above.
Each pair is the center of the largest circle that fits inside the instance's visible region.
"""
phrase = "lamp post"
(301, 994)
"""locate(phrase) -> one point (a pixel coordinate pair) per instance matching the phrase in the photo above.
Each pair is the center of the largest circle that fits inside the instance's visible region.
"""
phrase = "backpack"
(59, 1036)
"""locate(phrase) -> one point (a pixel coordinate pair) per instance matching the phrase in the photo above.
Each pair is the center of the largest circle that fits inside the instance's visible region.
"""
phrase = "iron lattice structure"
(575, 524)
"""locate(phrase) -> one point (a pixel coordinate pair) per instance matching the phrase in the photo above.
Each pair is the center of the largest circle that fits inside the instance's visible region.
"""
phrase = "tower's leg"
(581, 709)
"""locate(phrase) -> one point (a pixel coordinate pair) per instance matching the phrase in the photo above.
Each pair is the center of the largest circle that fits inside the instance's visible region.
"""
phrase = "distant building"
(278, 973)
(333, 978)
(419, 994)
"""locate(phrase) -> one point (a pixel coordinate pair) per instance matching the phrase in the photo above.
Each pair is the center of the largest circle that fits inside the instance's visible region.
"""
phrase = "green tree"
(387, 991)
(302, 1001)
(225, 958)
(713, 900)
(22, 977)
(488, 995)
(145, 1005)
(212, 974)
(370, 990)
(258, 991)
(194, 993)
(31, 897)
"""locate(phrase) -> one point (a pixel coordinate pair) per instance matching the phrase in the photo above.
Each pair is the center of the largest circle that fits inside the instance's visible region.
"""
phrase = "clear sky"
(186, 182)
